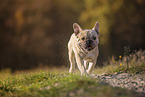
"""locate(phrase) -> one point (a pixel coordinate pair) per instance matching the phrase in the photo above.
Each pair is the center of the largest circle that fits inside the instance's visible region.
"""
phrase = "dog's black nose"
(88, 42)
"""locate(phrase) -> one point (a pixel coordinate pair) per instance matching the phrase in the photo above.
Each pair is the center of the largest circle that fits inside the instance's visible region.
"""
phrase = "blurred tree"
(34, 32)
(128, 28)
(25, 37)
(37, 31)
(121, 23)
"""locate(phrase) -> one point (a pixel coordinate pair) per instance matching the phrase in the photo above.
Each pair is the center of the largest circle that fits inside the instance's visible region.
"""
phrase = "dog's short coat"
(83, 48)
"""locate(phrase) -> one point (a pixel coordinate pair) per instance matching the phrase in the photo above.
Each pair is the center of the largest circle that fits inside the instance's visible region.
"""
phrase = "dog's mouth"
(89, 47)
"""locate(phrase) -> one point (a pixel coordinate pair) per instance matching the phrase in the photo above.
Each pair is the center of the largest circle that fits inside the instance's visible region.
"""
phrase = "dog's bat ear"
(76, 28)
(96, 27)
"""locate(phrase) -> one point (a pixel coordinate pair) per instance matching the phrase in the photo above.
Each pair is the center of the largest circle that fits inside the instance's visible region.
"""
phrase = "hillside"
(121, 78)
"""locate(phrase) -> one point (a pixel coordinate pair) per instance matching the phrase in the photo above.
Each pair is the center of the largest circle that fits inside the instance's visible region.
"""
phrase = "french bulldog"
(83, 48)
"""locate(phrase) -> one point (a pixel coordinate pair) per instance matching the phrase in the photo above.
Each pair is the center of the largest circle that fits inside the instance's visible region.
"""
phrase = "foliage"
(135, 61)
(37, 31)
(30, 31)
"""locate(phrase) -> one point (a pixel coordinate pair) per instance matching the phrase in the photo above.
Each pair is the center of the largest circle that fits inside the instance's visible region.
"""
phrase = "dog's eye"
(94, 38)
(83, 38)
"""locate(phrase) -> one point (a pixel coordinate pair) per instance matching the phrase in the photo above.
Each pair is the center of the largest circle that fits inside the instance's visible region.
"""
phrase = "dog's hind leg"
(72, 61)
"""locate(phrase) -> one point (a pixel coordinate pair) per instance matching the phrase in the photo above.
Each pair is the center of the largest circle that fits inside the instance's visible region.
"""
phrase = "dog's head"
(87, 39)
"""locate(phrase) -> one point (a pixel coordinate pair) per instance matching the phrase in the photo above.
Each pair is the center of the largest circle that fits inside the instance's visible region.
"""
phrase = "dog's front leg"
(72, 61)
(80, 64)
(86, 64)
(91, 66)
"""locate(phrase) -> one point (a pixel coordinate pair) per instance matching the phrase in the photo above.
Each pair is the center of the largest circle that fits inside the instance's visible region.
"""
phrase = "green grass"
(48, 84)
(57, 83)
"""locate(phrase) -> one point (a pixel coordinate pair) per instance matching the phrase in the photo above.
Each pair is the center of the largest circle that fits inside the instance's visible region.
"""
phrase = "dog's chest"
(88, 56)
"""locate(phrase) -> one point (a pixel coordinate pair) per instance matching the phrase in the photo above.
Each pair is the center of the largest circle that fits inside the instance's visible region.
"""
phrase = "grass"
(57, 83)
(133, 63)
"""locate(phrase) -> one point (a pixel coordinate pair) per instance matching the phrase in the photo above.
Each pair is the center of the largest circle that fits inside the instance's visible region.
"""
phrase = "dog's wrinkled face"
(87, 39)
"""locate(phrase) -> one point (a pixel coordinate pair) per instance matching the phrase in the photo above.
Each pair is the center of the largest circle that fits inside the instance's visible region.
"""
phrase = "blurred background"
(36, 32)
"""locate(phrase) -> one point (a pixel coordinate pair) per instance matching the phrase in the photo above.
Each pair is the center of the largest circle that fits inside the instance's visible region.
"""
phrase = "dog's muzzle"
(89, 45)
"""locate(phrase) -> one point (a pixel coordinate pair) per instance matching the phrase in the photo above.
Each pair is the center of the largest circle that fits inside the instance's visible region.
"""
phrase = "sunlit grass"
(48, 84)
(135, 62)
(5, 73)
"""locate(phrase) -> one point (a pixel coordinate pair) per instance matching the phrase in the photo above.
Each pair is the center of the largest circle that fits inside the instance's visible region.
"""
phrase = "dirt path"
(124, 80)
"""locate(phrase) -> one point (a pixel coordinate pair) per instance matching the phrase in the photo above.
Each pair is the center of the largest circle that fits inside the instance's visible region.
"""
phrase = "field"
(54, 82)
